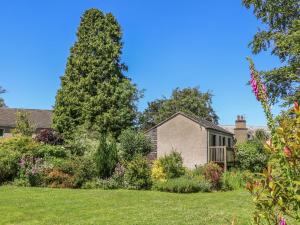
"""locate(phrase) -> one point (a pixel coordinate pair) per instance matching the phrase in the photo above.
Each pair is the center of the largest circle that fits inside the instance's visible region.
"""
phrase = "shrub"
(58, 179)
(137, 174)
(105, 184)
(212, 172)
(157, 171)
(182, 185)
(49, 136)
(46, 150)
(31, 169)
(106, 157)
(251, 156)
(8, 164)
(232, 180)
(132, 143)
(83, 141)
(21, 182)
(70, 172)
(19, 144)
(172, 165)
(118, 174)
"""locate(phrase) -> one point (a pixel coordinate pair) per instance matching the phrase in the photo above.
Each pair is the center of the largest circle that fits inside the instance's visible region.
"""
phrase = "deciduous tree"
(189, 100)
(281, 35)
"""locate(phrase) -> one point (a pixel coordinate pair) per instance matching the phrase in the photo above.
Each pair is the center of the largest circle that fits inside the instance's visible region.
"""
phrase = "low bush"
(212, 173)
(132, 143)
(232, 180)
(49, 136)
(251, 156)
(46, 150)
(75, 170)
(9, 164)
(21, 144)
(118, 175)
(182, 185)
(58, 179)
(31, 169)
(137, 174)
(157, 171)
(172, 165)
(21, 182)
(106, 184)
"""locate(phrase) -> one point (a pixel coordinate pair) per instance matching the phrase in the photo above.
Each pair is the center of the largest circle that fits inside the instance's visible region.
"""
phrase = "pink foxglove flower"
(282, 221)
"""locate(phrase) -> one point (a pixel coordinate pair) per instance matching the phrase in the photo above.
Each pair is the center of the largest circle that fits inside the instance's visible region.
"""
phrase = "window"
(224, 141)
(1, 132)
(229, 142)
(213, 140)
(220, 141)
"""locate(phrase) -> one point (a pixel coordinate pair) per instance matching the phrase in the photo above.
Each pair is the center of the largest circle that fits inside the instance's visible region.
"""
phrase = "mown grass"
(70, 206)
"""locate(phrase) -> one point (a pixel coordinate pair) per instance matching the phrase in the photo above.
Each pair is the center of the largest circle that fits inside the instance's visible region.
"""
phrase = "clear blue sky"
(168, 44)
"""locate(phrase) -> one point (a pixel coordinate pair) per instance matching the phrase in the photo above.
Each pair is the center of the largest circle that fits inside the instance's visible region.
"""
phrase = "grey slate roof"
(39, 118)
(201, 121)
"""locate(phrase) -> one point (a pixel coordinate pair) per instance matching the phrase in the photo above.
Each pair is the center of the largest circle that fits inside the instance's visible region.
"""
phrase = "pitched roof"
(39, 118)
(205, 123)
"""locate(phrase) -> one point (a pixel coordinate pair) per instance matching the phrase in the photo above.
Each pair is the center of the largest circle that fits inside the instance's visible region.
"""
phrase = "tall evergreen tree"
(94, 91)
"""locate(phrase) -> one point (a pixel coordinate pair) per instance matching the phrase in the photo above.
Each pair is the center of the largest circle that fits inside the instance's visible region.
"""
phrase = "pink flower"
(282, 221)
(287, 151)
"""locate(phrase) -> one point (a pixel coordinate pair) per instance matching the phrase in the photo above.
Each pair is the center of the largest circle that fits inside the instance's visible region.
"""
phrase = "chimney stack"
(241, 130)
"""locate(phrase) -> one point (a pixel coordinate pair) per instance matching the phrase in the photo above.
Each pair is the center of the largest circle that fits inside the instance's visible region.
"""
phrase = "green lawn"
(69, 206)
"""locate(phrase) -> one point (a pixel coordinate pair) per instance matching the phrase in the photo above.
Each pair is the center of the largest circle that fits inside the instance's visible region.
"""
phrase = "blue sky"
(167, 44)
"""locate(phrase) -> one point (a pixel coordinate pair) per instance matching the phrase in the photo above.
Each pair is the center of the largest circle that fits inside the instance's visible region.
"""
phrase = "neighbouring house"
(242, 132)
(40, 119)
(199, 141)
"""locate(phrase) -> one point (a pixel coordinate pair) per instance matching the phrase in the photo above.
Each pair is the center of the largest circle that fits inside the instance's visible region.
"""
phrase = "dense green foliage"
(233, 180)
(8, 164)
(251, 156)
(281, 34)
(138, 174)
(23, 124)
(1, 99)
(172, 165)
(182, 185)
(106, 157)
(189, 100)
(94, 90)
(132, 143)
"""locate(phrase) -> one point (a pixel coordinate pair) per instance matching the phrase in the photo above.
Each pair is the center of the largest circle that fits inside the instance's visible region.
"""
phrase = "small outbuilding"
(199, 141)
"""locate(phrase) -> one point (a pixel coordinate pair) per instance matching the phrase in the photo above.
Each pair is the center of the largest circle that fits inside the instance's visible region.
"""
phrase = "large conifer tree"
(94, 90)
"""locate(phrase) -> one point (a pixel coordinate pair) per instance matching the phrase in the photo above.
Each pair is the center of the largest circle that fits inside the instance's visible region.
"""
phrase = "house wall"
(6, 131)
(185, 136)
